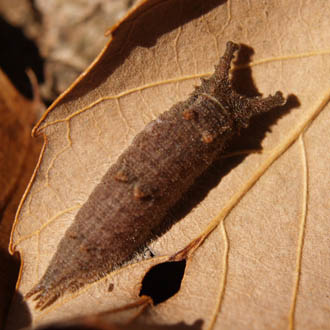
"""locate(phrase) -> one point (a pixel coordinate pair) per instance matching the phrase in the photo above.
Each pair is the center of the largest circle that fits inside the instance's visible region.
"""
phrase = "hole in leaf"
(163, 281)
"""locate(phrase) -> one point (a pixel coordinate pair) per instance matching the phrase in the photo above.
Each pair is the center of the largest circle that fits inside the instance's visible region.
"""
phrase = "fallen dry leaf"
(18, 155)
(267, 265)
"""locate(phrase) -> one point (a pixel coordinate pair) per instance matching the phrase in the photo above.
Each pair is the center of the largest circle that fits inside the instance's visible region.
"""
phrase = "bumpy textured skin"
(126, 209)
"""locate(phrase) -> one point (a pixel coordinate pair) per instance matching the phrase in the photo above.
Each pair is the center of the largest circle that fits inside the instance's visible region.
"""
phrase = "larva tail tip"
(42, 296)
(36, 289)
(46, 300)
(43, 299)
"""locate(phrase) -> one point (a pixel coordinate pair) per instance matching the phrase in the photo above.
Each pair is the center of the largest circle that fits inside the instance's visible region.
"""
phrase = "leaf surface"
(265, 266)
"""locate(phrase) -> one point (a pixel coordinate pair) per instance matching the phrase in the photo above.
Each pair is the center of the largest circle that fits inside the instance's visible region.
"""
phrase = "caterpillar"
(125, 210)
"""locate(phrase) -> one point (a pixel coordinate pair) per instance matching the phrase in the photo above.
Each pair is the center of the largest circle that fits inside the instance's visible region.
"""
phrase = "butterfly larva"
(127, 207)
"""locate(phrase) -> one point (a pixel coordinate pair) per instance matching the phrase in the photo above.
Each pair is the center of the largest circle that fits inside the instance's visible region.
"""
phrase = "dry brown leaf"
(266, 266)
(18, 155)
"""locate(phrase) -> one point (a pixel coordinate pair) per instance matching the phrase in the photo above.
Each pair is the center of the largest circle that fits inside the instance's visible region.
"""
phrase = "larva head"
(239, 107)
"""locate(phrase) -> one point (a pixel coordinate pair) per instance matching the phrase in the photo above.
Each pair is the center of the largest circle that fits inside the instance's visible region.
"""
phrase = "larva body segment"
(127, 207)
